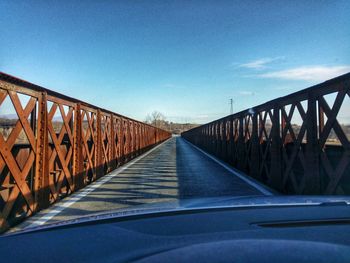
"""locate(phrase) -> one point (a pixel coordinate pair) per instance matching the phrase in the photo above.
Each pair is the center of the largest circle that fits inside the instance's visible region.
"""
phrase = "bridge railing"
(52, 145)
(297, 144)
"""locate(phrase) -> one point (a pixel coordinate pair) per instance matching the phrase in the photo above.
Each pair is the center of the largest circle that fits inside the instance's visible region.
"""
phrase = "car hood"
(194, 204)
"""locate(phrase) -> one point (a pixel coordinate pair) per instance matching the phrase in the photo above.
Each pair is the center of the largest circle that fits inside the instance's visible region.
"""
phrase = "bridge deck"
(173, 171)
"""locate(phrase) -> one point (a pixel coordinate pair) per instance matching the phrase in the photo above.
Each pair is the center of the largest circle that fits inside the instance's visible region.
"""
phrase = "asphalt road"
(173, 171)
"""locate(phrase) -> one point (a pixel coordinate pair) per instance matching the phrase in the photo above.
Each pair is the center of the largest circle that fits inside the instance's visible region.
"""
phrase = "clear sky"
(182, 58)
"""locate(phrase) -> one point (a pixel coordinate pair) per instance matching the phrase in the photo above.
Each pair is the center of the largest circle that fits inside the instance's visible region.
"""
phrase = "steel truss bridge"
(61, 158)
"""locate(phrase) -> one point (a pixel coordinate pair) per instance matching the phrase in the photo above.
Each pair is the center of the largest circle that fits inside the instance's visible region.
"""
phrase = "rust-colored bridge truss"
(59, 145)
(265, 142)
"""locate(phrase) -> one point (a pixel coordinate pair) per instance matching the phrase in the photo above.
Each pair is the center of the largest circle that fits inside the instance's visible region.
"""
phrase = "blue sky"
(183, 58)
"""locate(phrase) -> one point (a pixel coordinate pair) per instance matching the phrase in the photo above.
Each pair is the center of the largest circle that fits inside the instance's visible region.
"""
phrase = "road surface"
(173, 171)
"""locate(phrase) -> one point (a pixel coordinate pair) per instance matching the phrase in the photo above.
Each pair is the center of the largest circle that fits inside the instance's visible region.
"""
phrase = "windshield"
(149, 105)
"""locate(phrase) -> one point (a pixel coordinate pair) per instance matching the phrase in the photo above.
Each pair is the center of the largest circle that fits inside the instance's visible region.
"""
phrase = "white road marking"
(264, 190)
(65, 203)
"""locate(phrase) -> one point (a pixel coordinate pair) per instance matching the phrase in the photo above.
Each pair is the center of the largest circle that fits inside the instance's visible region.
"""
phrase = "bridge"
(62, 158)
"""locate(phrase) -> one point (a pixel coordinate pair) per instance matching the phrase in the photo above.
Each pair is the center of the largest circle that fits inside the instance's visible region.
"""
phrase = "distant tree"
(156, 119)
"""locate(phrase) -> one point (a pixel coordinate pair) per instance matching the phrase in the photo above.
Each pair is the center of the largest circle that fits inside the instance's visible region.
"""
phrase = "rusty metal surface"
(265, 143)
(58, 145)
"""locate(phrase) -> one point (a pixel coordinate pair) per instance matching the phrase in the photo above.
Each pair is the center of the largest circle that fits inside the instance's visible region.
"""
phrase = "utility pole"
(231, 104)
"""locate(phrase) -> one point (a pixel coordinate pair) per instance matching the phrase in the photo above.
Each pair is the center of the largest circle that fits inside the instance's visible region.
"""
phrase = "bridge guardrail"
(57, 145)
(265, 143)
